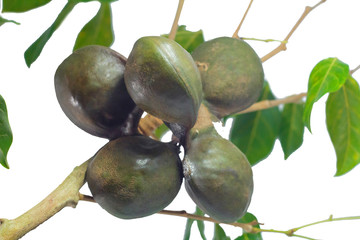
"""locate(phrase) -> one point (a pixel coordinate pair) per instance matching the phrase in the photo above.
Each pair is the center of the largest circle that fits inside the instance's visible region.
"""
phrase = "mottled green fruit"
(163, 80)
(90, 88)
(218, 176)
(135, 176)
(231, 73)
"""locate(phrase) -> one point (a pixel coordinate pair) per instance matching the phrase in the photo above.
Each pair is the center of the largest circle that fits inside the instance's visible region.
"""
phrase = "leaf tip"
(5, 164)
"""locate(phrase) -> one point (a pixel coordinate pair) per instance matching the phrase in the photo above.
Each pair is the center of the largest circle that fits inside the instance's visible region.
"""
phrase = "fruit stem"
(174, 27)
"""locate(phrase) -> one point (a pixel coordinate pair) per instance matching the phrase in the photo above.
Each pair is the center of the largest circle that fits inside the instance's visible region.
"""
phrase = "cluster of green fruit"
(133, 175)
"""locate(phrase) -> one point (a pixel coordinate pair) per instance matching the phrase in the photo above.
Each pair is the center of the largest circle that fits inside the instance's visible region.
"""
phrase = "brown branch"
(148, 125)
(282, 46)
(236, 33)
(65, 195)
(174, 27)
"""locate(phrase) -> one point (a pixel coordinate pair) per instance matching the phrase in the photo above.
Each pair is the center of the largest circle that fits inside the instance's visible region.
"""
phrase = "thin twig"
(262, 40)
(265, 104)
(354, 70)
(330, 219)
(282, 46)
(236, 33)
(174, 27)
(86, 198)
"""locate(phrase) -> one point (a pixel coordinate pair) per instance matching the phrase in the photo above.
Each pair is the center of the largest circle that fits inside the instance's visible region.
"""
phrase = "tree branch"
(174, 27)
(65, 195)
(282, 46)
(236, 33)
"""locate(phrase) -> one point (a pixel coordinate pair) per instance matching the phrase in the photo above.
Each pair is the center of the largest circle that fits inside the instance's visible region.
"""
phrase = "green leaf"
(33, 52)
(187, 39)
(219, 233)
(98, 31)
(292, 127)
(249, 218)
(255, 133)
(327, 76)
(22, 5)
(6, 136)
(343, 124)
(3, 20)
(200, 224)
(161, 131)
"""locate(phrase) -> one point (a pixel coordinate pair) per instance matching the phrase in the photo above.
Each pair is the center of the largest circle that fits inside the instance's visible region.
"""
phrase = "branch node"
(282, 46)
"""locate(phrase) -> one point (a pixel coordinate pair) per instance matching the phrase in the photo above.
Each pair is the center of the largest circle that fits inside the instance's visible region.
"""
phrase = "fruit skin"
(163, 80)
(218, 176)
(135, 176)
(90, 88)
(231, 73)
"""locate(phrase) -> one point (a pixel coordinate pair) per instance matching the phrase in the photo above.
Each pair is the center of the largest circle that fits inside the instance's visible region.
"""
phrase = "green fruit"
(218, 177)
(90, 88)
(231, 73)
(163, 80)
(135, 176)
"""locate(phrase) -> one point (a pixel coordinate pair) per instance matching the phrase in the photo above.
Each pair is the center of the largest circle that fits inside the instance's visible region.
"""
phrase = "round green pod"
(135, 176)
(90, 89)
(218, 176)
(232, 75)
(163, 80)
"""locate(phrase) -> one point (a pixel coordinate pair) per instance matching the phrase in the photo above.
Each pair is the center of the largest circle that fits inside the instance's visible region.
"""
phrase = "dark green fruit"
(91, 91)
(218, 176)
(163, 80)
(231, 73)
(135, 176)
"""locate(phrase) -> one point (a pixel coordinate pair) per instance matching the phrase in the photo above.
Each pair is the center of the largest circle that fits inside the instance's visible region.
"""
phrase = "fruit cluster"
(133, 175)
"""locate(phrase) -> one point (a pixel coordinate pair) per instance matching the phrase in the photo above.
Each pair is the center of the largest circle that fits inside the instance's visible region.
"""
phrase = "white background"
(47, 146)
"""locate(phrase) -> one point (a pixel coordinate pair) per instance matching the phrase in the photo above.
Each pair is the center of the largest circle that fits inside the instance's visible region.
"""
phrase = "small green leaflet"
(33, 52)
(200, 224)
(187, 39)
(3, 20)
(255, 133)
(99, 30)
(327, 76)
(343, 124)
(18, 6)
(248, 218)
(5, 133)
(219, 233)
(292, 127)
(161, 131)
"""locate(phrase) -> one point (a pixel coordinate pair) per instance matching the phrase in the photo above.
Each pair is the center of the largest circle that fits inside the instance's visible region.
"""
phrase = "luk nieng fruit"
(163, 80)
(135, 176)
(218, 176)
(232, 75)
(91, 91)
